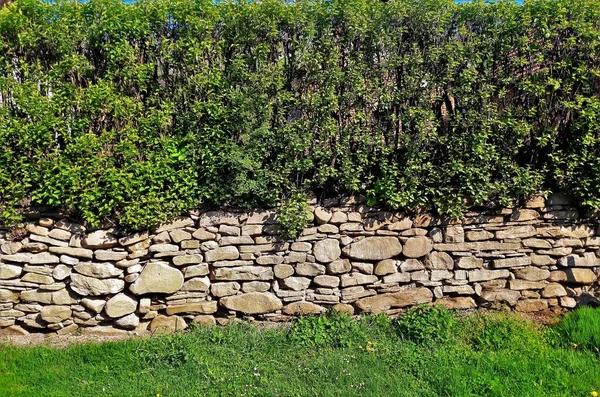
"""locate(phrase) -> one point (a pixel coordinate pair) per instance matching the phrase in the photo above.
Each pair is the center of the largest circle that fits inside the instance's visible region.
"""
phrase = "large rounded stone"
(327, 250)
(416, 247)
(157, 277)
(120, 305)
(85, 286)
(252, 303)
(373, 248)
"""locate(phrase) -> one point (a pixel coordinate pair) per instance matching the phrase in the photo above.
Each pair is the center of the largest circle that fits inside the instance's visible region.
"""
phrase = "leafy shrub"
(426, 324)
(293, 215)
(579, 328)
(495, 331)
(332, 329)
(135, 112)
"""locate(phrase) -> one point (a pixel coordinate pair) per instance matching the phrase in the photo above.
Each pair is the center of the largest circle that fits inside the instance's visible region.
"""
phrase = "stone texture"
(373, 248)
(206, 307)
(439, 261)
(303, 308)
(575, 276)
(98, 270)
(9, 271)
(252, 303)
(339, 266)
(244, 273)
(222, 253)
(98, 239)
(55, 314)
(167, 324)
(157, 277)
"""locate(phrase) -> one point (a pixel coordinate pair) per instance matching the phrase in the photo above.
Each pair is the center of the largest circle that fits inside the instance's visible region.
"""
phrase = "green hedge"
(136, 112)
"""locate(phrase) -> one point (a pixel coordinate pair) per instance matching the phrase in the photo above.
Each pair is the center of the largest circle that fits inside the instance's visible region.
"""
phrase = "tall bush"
(135, 112)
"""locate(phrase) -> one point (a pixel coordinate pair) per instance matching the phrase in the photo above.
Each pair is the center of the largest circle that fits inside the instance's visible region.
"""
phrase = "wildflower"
(594, 393)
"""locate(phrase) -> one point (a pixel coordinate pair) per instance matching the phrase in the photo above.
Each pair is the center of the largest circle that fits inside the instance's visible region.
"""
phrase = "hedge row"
(137, 112)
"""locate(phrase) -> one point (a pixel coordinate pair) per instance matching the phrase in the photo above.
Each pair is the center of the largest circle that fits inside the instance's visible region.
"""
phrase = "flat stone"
(158, 248)
(410, 297)
(256, 286)
(222, 253)
(98, 239)
(588, 260)
(573, 275)
(205, 307)
(455, 234)
(234, 263)
(269, 260)
(70, 226)
(469, 262)
(11, 247)
(196, 270)
(327, 281)
(554, 290)
(159, 278)
(9, 271)
(120, 305)
(478, 246)
(521, 285)
(187, 260)
(244, 273)
(303, 308)
(532, 273)
(62, 297)
(203, 235)
(60, 234)
(8, 296)
(502, 295)
(48, 240)
(85, 286)
(296, 283)
(37, 278)
(373, 248)
(485, 275)
(322, 215)
(349, 280)
(107, 255)
(177, 223)
(224, 289)
(478, 235)
(55, 314)
(511, 262)
(134, 238)
(74, 252)
(310, 269)
(541, 260)
(196, 284)
(457, 303)
(235, 240)
(97, 270)
(167, 324)
(516, 232)
(537, 243)
(252, 303)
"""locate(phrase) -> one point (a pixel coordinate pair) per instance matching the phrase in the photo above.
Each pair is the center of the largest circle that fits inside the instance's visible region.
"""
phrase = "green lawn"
(429, 353)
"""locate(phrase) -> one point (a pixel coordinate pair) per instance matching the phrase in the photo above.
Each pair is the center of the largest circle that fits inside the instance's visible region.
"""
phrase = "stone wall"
(216, 266)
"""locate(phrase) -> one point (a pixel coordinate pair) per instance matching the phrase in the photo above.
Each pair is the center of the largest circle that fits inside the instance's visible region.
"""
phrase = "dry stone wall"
(217, 266)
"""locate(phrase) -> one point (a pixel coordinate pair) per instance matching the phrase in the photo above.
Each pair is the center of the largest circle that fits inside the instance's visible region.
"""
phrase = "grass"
(427, 353)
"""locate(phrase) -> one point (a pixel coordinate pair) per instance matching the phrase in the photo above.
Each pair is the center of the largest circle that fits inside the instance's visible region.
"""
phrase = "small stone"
(95, 305)
(348, 280)
(327, 281)
(454, 234)
(187, 259)
(178, 235)
(301, 246)
(310, 269)
(11, 247)
(203, 235)
(478, 235)
(108, 255)
(244, 273)
(37, 278)
(98, 239)
(97, 270)
(177, 223)
(532, 273)
(574, 275)
(205, 307)
(75, 252)
(554, 290)
(256, 286)
(196, 270)
(222, 253)
(60, 234)
(457, 303)
(485, 275)
(511, 262)
(130, 321)
(163, 248)
(196, 284)
(503, 295)
(269, 260)
(531, 305)
(469, 262)
(322, 216)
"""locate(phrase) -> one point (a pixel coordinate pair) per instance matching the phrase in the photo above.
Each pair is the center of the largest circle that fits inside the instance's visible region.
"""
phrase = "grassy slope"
(493, 360)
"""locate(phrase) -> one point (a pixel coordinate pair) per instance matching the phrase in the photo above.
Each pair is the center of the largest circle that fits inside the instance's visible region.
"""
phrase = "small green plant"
(332, 329)
(293, 215)
(579, 329)
(496, 331)
(426, 324)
